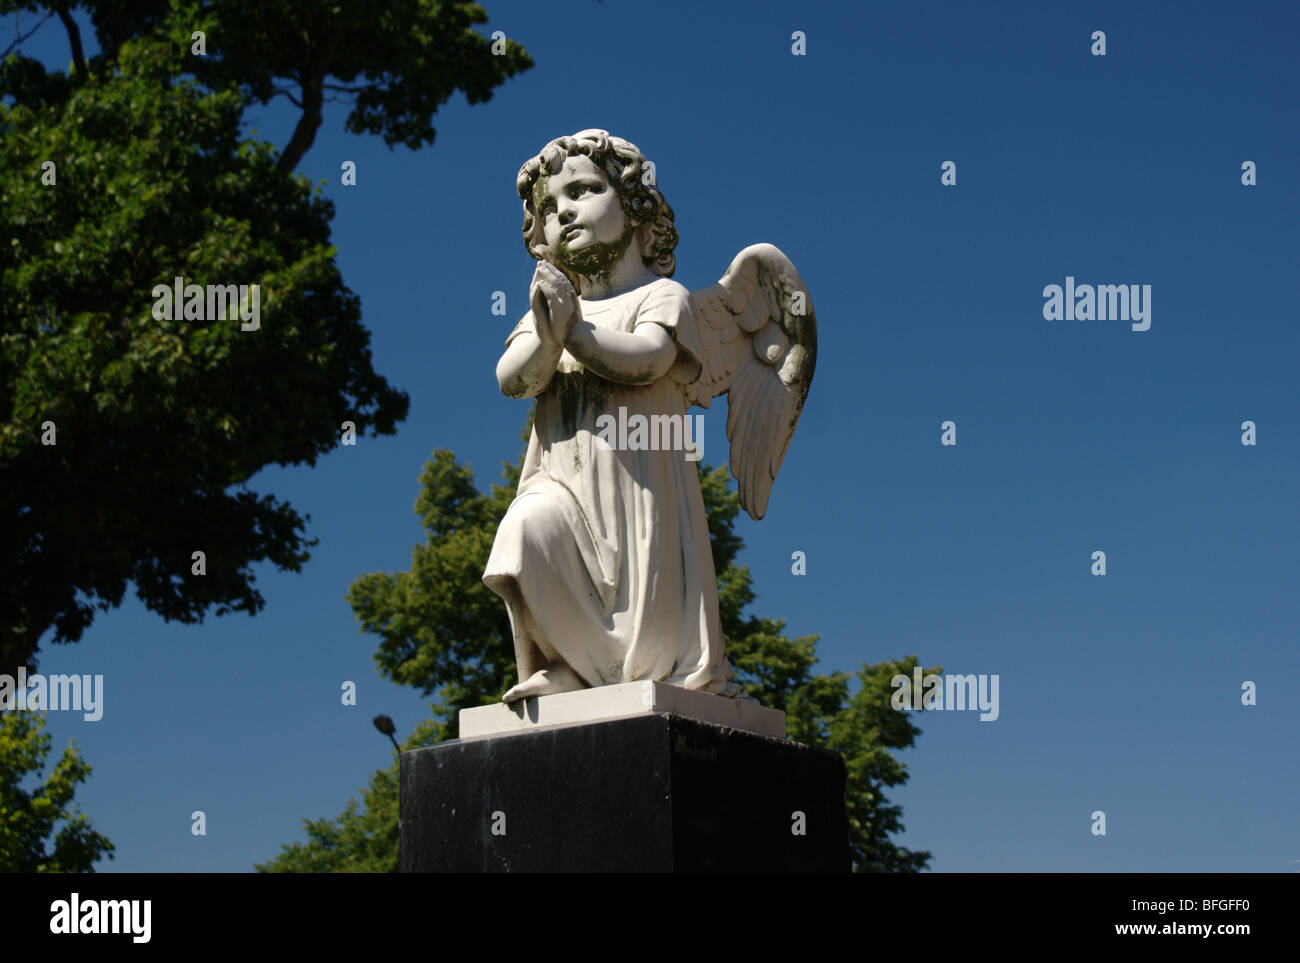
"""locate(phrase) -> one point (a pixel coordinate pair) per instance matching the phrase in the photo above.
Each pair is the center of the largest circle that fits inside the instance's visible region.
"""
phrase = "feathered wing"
(758, 334)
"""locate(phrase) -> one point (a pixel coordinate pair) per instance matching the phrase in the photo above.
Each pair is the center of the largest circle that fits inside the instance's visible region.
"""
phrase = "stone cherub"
(603, 558)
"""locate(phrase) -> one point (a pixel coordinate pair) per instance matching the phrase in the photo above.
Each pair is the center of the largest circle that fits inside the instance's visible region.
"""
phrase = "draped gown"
(604, 557)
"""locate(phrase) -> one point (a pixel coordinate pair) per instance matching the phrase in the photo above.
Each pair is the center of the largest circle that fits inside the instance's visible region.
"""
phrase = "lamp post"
(385, 725)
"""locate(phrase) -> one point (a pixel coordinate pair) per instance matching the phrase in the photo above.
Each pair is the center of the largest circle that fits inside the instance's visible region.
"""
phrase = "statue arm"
(527, 366)
(640, 357)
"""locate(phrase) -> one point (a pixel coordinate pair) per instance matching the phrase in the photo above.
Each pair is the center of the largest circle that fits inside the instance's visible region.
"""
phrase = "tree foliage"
(395, 62)
(362, 840)
(442, 631)
(158, 425)
(29, 842)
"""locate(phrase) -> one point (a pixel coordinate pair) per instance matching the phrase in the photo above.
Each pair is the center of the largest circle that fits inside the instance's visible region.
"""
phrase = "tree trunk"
(304, 135)
(74, 38)
(313, 101)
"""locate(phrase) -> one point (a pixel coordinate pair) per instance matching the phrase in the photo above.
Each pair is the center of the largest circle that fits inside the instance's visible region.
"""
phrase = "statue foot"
(552, 679)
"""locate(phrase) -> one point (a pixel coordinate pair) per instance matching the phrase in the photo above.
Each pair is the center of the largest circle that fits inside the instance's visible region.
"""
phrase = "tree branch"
(287, 93)
(313, 100)
(74, 38)
(24, 36)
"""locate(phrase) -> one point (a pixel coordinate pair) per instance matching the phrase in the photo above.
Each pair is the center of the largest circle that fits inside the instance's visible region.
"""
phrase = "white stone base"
(622, 701)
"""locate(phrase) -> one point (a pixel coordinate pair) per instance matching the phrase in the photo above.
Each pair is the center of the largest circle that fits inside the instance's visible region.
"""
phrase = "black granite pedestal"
(655, 793)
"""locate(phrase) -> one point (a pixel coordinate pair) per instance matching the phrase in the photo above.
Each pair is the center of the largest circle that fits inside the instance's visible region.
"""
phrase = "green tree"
(158, 425)
(442, 631)
(28, 840)
(362, 840)
(395, 62)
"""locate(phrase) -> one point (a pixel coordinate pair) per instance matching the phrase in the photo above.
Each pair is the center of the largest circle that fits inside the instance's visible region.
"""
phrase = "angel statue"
(603, 558)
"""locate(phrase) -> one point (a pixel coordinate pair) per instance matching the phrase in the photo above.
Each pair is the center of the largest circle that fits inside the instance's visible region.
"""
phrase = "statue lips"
(569, 237)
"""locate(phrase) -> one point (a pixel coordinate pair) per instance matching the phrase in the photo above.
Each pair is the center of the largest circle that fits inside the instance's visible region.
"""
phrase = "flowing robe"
(604, 557)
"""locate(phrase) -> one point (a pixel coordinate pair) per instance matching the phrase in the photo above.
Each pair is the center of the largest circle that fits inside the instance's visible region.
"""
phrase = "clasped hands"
(554, 303)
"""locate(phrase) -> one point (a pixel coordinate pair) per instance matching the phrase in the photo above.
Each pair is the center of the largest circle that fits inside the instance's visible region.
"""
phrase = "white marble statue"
(603, 558)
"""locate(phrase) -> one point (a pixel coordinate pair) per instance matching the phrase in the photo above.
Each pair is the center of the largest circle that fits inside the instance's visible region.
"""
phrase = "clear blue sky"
(1119, 693)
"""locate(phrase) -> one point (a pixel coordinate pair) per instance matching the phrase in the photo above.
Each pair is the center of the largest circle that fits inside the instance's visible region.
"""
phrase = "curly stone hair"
(624, 166)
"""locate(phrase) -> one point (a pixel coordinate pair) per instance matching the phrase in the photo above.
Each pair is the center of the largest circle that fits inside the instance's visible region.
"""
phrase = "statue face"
(582, 217)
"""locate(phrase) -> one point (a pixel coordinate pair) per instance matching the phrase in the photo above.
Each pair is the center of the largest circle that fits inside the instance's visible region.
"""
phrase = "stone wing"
(758, 335)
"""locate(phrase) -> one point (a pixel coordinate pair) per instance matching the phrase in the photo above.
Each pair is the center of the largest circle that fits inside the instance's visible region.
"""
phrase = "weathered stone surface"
(655, 793)
(622, 701)
(603, 559)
